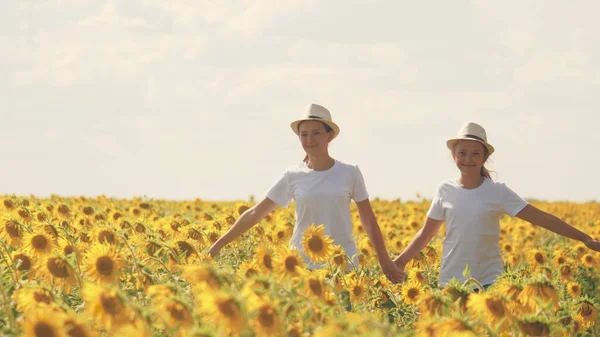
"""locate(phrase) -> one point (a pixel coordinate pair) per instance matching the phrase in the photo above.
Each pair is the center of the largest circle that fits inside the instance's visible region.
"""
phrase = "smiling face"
(469, 156)
(313, 137)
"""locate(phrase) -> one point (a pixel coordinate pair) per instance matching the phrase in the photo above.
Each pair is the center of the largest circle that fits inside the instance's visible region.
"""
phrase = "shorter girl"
(471, 207)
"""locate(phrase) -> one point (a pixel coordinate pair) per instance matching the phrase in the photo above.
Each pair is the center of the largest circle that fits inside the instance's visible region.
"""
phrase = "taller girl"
(471, 206)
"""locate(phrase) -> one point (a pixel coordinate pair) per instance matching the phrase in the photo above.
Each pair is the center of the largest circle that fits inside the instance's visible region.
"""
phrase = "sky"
(176, 99)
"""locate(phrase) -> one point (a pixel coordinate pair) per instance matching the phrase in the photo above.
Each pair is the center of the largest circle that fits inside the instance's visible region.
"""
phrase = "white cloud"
(110, 18)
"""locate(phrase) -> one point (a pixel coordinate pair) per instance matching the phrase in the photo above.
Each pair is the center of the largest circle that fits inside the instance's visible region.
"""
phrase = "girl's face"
(469, 156)
(313, 137)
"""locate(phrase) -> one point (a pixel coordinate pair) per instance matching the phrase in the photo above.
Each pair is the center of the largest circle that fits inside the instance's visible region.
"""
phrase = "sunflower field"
(112, 267)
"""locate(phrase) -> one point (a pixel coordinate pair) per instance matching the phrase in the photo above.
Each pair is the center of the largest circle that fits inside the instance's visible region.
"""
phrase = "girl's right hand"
(214, 250)
(593, 244)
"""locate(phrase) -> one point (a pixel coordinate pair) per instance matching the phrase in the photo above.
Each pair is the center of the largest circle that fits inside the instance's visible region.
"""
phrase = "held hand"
(400, 263)
(593, 244)
(392, 272)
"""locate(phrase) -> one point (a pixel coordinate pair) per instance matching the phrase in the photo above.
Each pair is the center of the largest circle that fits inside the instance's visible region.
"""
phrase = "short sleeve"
(280, 191)
(359, 189)
(436, 211)
(512, 203)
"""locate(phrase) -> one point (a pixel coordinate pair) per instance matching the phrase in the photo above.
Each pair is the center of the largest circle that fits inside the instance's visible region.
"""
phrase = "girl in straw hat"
(322, 188)
(471, 207)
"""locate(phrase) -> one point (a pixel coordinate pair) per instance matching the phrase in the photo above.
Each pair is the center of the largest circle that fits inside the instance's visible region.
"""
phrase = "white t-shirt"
(322, 197)
(472, 227)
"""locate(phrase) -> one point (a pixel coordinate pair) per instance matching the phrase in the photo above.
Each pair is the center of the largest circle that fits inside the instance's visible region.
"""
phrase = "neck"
(320, 163)
(468, 182)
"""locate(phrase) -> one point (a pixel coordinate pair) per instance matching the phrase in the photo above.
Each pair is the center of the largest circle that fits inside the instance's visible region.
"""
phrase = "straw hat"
(471, 131)
(319, 113)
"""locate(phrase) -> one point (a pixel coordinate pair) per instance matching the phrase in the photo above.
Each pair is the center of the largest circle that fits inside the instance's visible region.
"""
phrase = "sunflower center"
(9, 204)
(42, 297)
(589, 259)
(57, 267)
(23, 214)
(535, 329)
(75, 330)
(280, 234)
(13, 230)
(586, 309)
(357, 290)
(25, 262)
(539, 258)
(177, 311)
(39, 242)
(105, 265)
(43, 329)
(412, 293)
(110, 304)
(186, 248)
(266, 317)
(63, 209)
(68, 250)
(227, 308)
(315, 287)
(268, 262)
(565, 270)
(338, 260)
(290, 264)
(495, 307)
(315, 244)
(560, 260)
(106, 237)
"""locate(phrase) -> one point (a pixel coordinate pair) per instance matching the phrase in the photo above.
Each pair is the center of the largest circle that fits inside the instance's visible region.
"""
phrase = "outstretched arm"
(421, 239)
(369, 222)
(248, 219)
(540, 218)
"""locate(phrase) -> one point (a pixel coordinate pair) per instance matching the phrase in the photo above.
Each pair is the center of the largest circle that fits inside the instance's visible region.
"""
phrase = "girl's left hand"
(593, 244)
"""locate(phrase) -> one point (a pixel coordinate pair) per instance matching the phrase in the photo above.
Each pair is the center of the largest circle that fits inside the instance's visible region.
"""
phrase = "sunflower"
(589, 261)
(106, 306)
(317, 246)
(432, 303)
(566, 272)
(574, 289)
(38, 243)
(264, 257)
(358, 289)
(411, 291)
(534, 326)
(288, 262)
(225, 311)
(536, 258)
(44, 323)
(587, 313)
(457, 292)
(536, 291)
(11, 230)
(23, 261)
(104, 235)
(9, 204)
(314, 287)
(76, 328)
(30, 299)
(267, 321)
(339, 259)
(560, 258)
(248, 269)
(174, 312)
(202, 275)
(57, 269)
(103, 263)
(491, 308)
(417, 275)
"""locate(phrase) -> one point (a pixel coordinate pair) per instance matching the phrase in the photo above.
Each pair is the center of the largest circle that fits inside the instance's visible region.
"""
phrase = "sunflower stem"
(7, 307)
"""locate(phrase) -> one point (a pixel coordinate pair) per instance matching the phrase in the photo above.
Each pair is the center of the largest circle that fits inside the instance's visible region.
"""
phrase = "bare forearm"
(374, 233)
(243, 224)
(556, 225)
(419, 242)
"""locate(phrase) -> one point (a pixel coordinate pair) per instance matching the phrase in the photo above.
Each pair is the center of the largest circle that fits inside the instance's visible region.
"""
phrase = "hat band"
(475, 137)
(313, 116)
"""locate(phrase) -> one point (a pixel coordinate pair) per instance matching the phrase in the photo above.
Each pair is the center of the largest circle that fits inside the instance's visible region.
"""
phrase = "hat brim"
(452, 142)
(336, 129)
